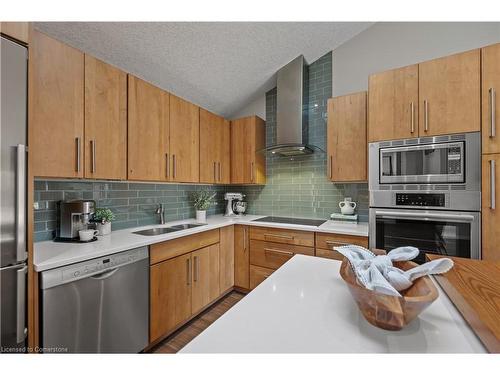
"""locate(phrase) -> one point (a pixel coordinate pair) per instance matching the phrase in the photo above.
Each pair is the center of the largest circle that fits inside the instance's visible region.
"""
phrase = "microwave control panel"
(422, 200)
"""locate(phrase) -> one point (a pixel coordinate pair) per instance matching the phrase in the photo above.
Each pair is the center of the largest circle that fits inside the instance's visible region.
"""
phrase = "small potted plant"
(202, 201)
(103, 217)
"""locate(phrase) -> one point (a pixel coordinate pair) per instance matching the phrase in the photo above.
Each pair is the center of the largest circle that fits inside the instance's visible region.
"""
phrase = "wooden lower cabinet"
(226, 258)
(170, 295)
(273, 255)
(205, 271)
(258, 275)
(491, 207)
(241, 257)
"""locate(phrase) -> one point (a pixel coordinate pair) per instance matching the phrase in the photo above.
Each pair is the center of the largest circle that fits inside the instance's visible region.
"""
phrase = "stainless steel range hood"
(292, 114)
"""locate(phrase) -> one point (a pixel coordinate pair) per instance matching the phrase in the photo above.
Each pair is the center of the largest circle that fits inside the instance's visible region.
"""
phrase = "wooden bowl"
(390, 312)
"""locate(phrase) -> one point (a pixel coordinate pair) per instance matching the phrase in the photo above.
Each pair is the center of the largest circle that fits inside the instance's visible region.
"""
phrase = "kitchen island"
(305, 307)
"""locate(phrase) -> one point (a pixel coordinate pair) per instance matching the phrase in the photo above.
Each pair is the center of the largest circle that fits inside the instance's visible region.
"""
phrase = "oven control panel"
(417, 199)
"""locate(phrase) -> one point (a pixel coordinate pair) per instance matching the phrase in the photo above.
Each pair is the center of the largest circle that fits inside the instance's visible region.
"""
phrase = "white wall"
(385, 46)
(256, 107)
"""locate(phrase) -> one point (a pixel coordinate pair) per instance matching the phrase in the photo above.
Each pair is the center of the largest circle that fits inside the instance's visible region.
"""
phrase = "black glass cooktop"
(291, 220)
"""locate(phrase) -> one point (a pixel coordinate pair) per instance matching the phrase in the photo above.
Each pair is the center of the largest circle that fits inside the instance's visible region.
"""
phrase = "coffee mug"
(87, 234)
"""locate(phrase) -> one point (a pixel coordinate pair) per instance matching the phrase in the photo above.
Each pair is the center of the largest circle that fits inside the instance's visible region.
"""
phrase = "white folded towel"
(377, 273)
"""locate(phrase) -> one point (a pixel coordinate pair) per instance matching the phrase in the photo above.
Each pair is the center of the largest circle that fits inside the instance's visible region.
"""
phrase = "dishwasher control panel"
(91, 267)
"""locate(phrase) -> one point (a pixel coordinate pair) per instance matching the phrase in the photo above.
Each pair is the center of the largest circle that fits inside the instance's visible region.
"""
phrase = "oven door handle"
(423, 216)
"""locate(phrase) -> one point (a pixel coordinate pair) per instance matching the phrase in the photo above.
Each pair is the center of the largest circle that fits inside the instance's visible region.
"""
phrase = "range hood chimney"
(292, 113)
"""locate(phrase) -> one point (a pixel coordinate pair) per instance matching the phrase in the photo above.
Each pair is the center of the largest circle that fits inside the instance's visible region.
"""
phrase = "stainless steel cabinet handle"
(21, 305)
(220, 174)
(245, 239)
(426, 116)
(215, 171)
(251, 171)
(188, 271)
(21, 252)
(78, 149)
(167, 158)
(174, 171)
(278, 236)
(92, 146)
(492, 185)
(493, 126)
(412, 120)
(196, 269)
(278, 251)
(330, 169)
(423, 216)
(337, 243)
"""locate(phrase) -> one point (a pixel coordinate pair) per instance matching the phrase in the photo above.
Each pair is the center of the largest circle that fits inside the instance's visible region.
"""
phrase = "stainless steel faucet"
(160, 211)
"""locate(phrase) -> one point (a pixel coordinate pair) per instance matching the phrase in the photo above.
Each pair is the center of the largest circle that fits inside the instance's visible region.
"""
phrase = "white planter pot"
(104, 229)
(201, 216)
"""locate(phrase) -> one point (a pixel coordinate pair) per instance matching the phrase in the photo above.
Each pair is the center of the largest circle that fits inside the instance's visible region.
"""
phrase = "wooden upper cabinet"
(248, 136)
(184, 140)
(490, 207)
(346, 138)
(490, 98)
(105, 120)
(56, 86)
(15, 30)
(148, 132)
(241, 257)
(170, 295)
(214, 148)
(449, 94)
(393, 104)
(205, 277)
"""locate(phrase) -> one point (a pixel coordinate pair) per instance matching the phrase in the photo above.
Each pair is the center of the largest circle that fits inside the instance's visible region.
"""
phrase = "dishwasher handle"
(106, 274)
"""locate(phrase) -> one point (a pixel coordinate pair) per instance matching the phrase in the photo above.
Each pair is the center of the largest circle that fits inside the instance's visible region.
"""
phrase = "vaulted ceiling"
(220, 66)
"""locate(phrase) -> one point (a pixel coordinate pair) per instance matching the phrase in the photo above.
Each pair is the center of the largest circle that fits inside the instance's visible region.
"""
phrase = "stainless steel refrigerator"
(13, 130)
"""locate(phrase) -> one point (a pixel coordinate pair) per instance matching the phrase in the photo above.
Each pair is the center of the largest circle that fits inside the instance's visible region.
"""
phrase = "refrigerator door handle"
(21, 253)
(21, 305)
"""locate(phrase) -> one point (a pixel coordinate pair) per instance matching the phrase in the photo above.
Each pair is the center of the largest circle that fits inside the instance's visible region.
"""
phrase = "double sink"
(163, 230)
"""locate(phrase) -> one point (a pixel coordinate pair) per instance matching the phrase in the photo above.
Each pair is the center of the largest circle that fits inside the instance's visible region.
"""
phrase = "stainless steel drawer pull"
(196, 268)
(78, 150)
(412, 120)
(337, 243)
(174, 171)
(278, 236)
(493, 129)
(426, 116)
(92, 146)
(167, 171)
(188, 271)
(492, 185)
(291, 253)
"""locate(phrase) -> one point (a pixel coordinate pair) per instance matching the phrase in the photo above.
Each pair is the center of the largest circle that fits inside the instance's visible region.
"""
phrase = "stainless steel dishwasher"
(97, 306)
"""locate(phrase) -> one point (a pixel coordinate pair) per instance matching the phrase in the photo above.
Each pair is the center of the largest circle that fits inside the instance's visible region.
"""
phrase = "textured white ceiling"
(220, 66)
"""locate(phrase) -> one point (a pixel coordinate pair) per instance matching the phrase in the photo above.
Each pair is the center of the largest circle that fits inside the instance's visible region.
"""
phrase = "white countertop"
(305, 307)
(50, 254)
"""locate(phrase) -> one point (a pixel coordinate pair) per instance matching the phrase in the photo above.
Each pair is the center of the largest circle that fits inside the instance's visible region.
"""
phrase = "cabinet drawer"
(287, 236)
(330, 254)
(274, 255)
(169, 249)
(327, 241)
(258, 275)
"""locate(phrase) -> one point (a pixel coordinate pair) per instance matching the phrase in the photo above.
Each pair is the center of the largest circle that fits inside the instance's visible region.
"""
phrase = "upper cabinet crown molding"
(56, 116)
(490, 98)
(393, 109)
(346, 138)
(105, 120)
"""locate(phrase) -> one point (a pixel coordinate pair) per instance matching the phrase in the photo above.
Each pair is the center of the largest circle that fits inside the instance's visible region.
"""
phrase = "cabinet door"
(148, 129)
(211, 144)
(205, 277)
(170, 295)
(248, 135)
(226, 258)
(449, 94)
(56, 117)
(184, 140)
(490, 207)
(258, 275)
(393, 104)
(490, 99)
(105, 121)
(241, 257)
(346, 138)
